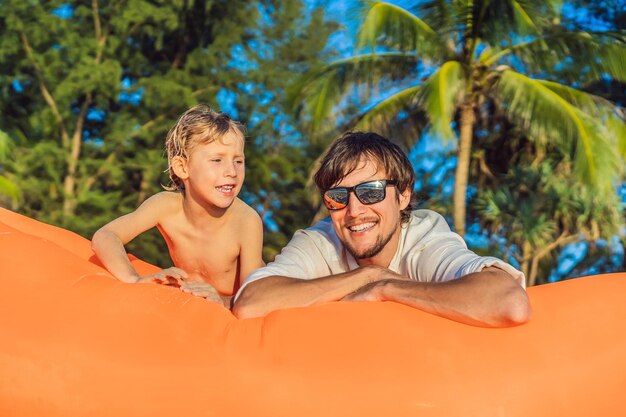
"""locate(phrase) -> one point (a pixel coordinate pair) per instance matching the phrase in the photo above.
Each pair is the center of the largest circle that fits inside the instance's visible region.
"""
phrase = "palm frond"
(440, 95)
(613, 60)
(583, 55)
(439, 14)
(396, 117)
(496, 20)
(595, 106)
(386, 110)
(550, 118)
(603, 111)
(395, 27)
(321, 90)
(523, 18)
(617, 125)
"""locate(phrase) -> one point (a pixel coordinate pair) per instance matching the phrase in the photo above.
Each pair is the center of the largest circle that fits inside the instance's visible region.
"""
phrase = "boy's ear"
(179, 166)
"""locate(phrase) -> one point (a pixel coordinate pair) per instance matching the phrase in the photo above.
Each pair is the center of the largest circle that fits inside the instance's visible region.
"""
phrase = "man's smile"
(362, 226)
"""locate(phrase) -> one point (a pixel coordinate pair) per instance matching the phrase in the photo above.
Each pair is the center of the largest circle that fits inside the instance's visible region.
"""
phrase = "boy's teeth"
(361, 227)
(225, 188)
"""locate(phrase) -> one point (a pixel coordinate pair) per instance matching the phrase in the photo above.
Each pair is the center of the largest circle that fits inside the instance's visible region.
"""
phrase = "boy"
(214, 238)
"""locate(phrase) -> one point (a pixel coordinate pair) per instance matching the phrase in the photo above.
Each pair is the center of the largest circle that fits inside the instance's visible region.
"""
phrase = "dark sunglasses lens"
(371, 192)
(336, 199)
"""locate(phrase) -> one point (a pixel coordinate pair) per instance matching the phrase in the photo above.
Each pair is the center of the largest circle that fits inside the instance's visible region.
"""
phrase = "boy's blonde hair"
(198, 125)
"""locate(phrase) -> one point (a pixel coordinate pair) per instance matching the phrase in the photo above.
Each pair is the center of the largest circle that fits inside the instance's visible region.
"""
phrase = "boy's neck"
(203, 215)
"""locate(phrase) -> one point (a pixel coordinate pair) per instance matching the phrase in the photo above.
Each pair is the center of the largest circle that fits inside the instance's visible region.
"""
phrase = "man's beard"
(378, 246)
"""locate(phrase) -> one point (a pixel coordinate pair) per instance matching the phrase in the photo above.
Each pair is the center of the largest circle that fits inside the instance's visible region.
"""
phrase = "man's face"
(370, 232)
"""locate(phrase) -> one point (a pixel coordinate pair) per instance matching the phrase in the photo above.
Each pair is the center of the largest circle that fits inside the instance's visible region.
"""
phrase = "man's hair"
(343, 157)
(198, 125)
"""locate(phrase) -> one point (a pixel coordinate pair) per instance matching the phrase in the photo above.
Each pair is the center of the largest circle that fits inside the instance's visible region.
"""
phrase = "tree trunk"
(534, 258)
(69, 182)
(534, 270)
(468, 118)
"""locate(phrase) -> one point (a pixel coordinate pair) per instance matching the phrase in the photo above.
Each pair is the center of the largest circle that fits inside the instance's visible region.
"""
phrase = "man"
(375, 248)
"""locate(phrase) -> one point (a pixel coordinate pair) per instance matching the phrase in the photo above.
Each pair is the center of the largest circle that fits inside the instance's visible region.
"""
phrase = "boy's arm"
(251, 245)
(108, 242)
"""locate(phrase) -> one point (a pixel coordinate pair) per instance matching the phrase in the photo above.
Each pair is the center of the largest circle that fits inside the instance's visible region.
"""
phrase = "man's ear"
(404, 198)
(179, 166)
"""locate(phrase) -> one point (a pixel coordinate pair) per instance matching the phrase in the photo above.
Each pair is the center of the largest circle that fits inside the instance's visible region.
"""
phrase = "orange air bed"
(76, 342)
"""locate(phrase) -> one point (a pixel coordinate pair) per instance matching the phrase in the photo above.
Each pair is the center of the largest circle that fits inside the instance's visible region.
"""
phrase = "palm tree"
(454, 59)
(549, 212)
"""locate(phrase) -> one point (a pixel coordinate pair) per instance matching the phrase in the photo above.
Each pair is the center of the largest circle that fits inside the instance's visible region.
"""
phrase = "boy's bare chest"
(205, 256)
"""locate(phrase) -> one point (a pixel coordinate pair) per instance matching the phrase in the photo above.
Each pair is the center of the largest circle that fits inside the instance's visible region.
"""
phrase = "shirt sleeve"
(301, 259)
(443, 256)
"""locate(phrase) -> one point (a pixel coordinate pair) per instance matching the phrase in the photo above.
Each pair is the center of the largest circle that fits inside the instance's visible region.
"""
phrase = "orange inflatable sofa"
(76, 342)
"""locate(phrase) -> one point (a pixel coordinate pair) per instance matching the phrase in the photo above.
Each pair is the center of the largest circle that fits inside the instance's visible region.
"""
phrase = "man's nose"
(355, 207)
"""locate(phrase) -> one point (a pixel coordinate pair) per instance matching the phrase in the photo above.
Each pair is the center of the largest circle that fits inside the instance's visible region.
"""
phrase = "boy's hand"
(170, 276)
(202, 289)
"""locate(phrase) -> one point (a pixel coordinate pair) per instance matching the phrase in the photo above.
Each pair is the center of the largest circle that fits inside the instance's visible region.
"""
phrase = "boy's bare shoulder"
(169, 196)
(246, 214)
(165, 202)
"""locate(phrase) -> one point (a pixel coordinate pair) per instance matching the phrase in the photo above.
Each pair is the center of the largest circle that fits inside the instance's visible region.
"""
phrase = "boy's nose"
(231, 170)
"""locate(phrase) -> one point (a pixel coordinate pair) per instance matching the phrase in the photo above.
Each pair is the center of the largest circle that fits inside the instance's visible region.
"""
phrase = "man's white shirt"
(428, 251)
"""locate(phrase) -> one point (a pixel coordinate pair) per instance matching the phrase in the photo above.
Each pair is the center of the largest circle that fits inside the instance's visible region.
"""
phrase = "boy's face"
(215, 171)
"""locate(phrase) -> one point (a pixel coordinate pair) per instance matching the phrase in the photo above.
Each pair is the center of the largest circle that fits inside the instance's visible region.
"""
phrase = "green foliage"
(278, 155)
(87, 102)
(440, 95)
(459, 62)
(569, 118)
(10, 194)
(530, 196)
(447, 35)
(403, 30)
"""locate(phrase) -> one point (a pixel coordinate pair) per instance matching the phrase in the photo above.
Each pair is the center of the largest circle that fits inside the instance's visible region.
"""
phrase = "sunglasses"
(370, 192)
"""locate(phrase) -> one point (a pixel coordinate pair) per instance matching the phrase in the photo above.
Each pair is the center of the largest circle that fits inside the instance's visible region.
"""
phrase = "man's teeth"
(361, 227)
(225, 188)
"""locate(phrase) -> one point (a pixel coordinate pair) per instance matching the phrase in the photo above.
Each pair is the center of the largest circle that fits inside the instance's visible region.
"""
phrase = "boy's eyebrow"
(222, 153)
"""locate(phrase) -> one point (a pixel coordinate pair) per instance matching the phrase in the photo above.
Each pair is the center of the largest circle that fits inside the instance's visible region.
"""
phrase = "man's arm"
(489, 298)
(265, 295)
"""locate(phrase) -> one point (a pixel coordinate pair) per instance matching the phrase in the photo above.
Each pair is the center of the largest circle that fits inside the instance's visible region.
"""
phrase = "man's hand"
(372, 291)
(368, 292)
(272, 293)
(202, 289)
(170, 276)
(380, 273)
